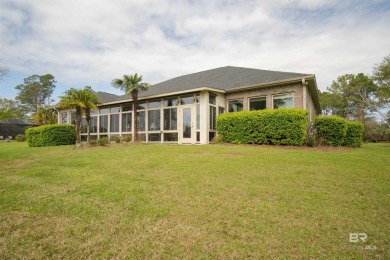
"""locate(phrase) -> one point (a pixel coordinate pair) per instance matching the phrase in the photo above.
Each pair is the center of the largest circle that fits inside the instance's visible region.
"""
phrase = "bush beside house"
(279, 127)
(336, 131)
(51, 135)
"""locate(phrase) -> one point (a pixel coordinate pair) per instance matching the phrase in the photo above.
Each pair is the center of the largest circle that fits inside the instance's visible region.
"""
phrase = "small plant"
(126, 138)
(20, 138)
(311, 140)
(93, 143)
(117, 139)
(103, 141)
(217, 139)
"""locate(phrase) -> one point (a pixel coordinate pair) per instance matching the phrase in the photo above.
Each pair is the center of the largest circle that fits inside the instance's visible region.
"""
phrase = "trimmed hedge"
(51, 135)
(354, 134)
(280, 127)
(330, 129)
(336, 131)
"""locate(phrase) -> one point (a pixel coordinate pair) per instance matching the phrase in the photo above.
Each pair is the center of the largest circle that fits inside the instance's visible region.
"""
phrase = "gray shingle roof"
(224, 78)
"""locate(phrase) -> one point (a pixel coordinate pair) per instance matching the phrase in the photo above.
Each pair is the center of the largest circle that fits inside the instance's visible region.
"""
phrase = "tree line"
(363, 98)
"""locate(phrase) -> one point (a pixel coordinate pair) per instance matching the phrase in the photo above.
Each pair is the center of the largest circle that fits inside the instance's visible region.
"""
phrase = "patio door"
(187, 124)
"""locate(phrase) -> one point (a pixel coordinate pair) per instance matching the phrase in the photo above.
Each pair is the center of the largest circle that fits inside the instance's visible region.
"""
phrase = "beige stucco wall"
(268, 92)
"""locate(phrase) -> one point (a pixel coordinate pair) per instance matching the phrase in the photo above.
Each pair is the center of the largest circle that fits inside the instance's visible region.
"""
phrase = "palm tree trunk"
(78, 127)
(88, 119)
(134, 96)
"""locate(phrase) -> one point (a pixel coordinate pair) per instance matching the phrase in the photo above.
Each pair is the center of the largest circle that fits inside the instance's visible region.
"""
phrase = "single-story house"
(184, 109)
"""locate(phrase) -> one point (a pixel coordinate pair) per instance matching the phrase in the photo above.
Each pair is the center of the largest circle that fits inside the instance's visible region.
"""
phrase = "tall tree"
(132, 85)
(36, 91)
(10, 109)
(381, 75)
(74, 99)
(353, 96)
(90, 100)
(45, 115)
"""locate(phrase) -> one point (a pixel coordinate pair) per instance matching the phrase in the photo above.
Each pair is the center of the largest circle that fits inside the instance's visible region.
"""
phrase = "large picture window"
(114, 123)
(154, 120)
(258, 103)
(126, 122)
(213, 117)
(283, 101)
(235, 105)
(64, 118)
(103, 124)
(141, 120)
(170, 119)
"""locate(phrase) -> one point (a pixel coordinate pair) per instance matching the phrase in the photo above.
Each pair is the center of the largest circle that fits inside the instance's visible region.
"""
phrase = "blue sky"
(89, 42)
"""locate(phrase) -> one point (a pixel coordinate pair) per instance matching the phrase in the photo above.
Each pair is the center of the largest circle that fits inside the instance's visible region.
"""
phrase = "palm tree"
(73, 99)
(90, 101)
(132, 85)
(45, 116)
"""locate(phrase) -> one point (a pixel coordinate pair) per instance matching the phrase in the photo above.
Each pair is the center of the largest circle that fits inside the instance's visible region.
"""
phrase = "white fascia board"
(167, 94)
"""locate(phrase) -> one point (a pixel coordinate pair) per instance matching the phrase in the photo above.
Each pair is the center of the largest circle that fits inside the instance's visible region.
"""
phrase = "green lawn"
(211, 201)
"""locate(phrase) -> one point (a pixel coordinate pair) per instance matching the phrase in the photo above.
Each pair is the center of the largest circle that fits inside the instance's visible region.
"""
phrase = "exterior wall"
(268, 92)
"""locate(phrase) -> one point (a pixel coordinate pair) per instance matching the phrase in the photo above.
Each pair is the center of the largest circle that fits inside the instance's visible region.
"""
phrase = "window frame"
(281, 94)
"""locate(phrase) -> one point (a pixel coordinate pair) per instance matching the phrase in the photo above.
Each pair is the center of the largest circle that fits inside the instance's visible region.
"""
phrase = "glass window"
(103, 110)
(127, 107)
(141, 121)
(94, 112)
(211, 136)
(154, 120)
(257, 103)
(170, 102)
(115, 109)
(235, 105)
(170, 119)
(126, 122)
(83, 125)
(154, 137)
(185, 100)
(154, 104)
(170, 137)
(114, 123)
(197, 116)
(212, 99)
(94, 124)
(141, 105)
(283, 101)
(221, 110)
(198, 137)
(103, 125)
(64, 118)
(213, 117)
(73, 118)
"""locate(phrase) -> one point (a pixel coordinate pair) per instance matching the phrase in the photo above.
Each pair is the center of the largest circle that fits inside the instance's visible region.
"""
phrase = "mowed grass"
(211, 201)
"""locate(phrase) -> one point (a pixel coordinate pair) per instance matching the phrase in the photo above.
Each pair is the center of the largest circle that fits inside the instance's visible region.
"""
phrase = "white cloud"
(91, 42)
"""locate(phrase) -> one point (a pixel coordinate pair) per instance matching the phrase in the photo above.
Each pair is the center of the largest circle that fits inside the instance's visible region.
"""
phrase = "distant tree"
(10, 109)
(45, 116)
(330, 103)
(132, 85)
(381, 75)
(36, 91)
(352, 96)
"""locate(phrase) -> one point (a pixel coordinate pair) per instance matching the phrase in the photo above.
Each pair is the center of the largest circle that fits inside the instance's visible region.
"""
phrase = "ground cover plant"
(211, 201)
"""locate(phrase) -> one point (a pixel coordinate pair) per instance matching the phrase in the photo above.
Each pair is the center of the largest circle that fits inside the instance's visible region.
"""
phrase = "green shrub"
(51, 135)
(354, 134)
(117, 139)
(280, 127)
(103, 141)
(20, 138)
(330, 129)
(127, 138)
